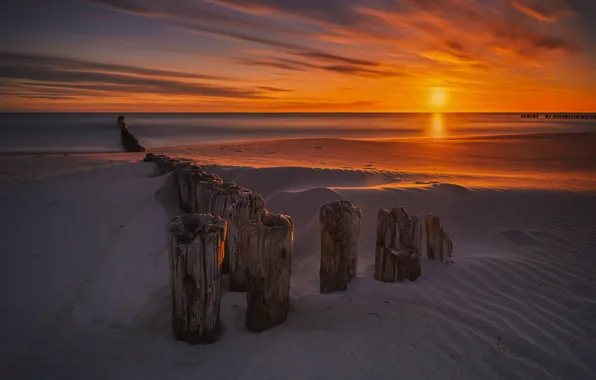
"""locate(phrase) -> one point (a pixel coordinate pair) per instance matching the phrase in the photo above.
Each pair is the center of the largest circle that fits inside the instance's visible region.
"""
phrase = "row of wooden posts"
(129, 141)
(226, 229)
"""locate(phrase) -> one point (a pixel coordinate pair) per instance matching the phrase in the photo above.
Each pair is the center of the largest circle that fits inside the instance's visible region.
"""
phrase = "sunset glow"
(294, 55)
(438, 97)
(437, 126)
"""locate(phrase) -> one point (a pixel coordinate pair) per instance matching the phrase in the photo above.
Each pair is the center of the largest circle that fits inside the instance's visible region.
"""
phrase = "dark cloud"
(299, 50)
(123, 5)
(243, 37)
(543, 10)
(332, 57)
(57, 72)
(73, 64)
(339, 12)
(346, 69)
(195, 11)
(453, 45)
(356, 70)
(47, 97)
(528, 43)
(270, 64)
(273, 89)
(296, 63)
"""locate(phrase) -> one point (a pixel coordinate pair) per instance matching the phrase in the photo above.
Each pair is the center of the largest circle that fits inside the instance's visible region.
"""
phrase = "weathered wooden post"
(340, 230)
(196, 253)
(129, 141)
(398, 246)
(152, 157)
(247, 207)
(194, 188)
(166, 164)
(268, 270)
(222, 197)
(189, 178)
(203, 185)
(182, 173)
(438, 242)
(386, 259)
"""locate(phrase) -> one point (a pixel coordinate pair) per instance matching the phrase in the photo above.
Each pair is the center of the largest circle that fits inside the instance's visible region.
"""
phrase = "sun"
(438, 97)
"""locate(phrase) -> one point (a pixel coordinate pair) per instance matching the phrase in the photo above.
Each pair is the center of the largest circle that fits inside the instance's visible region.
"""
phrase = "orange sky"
(294, 55)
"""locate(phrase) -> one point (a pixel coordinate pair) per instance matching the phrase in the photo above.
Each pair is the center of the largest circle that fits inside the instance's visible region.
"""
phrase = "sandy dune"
(86, 295)
(548, 161)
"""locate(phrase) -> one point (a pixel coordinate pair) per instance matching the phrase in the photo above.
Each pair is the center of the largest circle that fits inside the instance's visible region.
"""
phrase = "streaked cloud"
(543, 10)
(58, 73)
(291, 53)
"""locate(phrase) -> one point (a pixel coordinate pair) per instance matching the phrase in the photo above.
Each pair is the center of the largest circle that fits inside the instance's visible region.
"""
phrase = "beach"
(298, 189)
(86, 290)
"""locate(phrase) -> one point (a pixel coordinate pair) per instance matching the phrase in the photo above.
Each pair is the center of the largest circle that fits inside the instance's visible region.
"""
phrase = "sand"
(85, 291)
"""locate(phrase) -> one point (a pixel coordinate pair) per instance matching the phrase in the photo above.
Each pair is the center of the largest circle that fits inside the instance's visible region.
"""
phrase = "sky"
(298, 55)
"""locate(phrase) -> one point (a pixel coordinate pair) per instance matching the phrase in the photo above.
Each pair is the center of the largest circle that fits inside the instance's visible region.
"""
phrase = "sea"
(98, 132)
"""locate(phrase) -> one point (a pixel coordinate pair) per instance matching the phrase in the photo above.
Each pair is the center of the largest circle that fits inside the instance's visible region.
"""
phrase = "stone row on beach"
(226, 229)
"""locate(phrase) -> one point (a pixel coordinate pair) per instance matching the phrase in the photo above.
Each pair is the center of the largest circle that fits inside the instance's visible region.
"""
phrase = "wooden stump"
(195, 188)
(152, 157)
(203, 185)
(340, 230)
(410, 229)
(184, 172)
(398, 245)
(222, 197)
(268, 269)
(247, 207)
(438, 243)
(167, 165)
(149, 157)
(196, 253)
(386, 260)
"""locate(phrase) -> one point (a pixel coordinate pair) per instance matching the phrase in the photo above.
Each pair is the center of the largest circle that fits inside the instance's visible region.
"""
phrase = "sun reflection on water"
(437, 129)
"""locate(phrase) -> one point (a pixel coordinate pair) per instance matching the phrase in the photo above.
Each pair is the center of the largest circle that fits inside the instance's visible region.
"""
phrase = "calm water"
(97, 132)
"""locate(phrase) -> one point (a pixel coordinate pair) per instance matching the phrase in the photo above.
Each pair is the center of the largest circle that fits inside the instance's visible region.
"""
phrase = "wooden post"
(152, 157)
(386, 260)
(340, 230)
(183, 185)
(438, 243)
(268, 269)
(398, 245)
(203, 185)
(222, 197)
(196, 253)
(200, 185)
(187, 175)
(247, 207)
(167, 165)
(129, 141)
